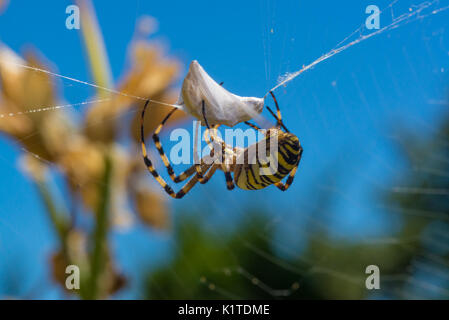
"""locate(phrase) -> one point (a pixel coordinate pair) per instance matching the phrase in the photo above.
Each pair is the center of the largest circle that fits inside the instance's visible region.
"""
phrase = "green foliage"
(206, 264)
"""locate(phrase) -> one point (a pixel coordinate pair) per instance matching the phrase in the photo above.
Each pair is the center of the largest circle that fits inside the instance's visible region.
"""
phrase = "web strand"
(90, 84)
(51, 108)
(402, 19)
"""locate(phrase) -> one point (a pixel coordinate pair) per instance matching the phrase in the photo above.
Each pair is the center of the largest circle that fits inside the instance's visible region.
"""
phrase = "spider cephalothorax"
(259, 165)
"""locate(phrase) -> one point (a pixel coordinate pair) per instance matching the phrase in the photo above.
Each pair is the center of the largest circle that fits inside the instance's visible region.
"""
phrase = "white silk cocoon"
(221, 106)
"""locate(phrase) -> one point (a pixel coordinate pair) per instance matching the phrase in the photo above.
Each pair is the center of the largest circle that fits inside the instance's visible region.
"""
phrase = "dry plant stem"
(95, 47)
(60, 223)
(56, 217)
(99, 237)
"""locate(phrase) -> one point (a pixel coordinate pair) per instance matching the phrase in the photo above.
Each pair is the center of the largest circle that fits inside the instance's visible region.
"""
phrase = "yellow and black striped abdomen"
(257, 173)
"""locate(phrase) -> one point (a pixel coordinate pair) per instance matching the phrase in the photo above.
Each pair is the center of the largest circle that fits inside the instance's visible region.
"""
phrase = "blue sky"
(344, 111)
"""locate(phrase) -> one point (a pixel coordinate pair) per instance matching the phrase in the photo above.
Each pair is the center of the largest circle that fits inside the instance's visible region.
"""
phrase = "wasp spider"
(233, 160)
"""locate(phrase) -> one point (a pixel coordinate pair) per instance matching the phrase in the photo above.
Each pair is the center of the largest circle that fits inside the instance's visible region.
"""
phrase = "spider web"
(430, 274)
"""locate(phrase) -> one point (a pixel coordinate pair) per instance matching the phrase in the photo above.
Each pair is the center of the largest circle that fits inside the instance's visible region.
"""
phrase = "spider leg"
(184, 175)
(224, 166)
(252, 125)
(255, 127)
(195, 152)
(279, 116)
(229, 181)
(189, 185)
(283, 187)
(186, 188)
(227, 172)
(203, 107)
(195, 155)
(211, 141)
(214, 127)
(210, 173)
(177, 195)
(208, 137)
(190, 171)
(279, 122)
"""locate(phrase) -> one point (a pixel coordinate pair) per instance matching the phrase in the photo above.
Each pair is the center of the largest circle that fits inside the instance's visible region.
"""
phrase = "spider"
(233, 160)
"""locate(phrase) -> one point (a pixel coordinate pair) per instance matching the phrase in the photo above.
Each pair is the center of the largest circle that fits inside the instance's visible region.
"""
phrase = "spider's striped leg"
(208, 135)
(226, 169)
(195, 152)
(229, 181)
(184, 175)
(222, 148)
(255, 127)
(189, 185)
(198, 166)
(190, 171)
(291, 176)
(206, 159)
(279, 123)
(252, 125)
(224, 165)
(203, 106)
(288, 183)
(210, 140)
(214, 127)
(186, 188)
(195, 148)
(210, 173)
(279, 116)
